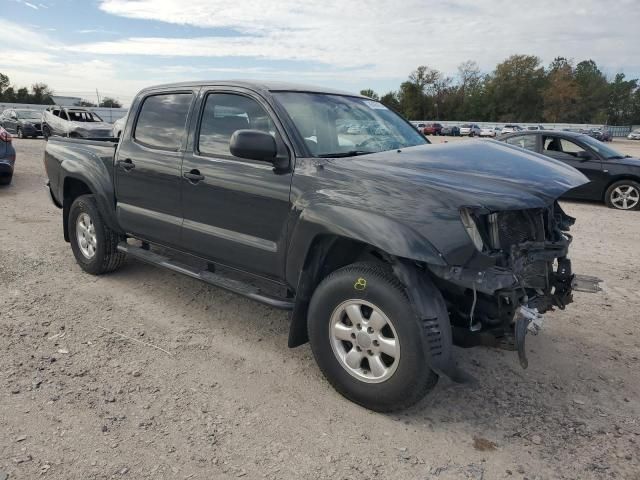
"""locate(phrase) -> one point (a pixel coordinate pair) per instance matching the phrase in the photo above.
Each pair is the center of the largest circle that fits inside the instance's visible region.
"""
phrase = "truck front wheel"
(367, 340)
(93, 243)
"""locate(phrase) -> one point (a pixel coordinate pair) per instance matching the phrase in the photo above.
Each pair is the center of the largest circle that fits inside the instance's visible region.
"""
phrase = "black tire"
(412, 378)
(106, 258)
(46, 132)
(6, 179)
(633, 201)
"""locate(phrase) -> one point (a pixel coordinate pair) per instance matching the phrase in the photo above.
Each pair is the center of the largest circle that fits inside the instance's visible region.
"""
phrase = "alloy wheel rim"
(86, 235)
(625, 197)
(364, 341)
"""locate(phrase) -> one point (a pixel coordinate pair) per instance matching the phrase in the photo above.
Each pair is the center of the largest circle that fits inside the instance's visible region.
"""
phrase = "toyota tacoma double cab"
(386, 250)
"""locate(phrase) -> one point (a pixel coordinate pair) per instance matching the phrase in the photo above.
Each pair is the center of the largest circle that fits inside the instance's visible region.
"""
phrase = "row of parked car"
(475, 130)
(75, 122)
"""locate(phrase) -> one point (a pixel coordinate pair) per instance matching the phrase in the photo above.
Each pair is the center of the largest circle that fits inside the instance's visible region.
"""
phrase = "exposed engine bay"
(530, 275)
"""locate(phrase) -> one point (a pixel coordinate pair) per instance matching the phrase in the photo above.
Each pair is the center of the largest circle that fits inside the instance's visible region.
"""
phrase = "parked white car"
(511, 129)
(470, 129)
(73, 122)
(118, 126)
(487, 132)
(635, 135)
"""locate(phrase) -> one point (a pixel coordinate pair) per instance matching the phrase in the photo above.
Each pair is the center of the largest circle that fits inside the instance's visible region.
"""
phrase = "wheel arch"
(326, 254)
(75, 186)
(618, 178)
(327, 237)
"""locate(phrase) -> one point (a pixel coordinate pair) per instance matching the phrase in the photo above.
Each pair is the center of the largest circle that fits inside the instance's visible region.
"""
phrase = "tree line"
(520, 89)
(40, 94)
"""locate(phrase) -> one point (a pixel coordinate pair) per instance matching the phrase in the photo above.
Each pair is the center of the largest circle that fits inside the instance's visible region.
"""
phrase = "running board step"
(211, 278)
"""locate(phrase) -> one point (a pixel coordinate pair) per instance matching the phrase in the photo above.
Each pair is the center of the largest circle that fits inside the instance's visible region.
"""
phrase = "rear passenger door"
(147, 167)
(235, 209)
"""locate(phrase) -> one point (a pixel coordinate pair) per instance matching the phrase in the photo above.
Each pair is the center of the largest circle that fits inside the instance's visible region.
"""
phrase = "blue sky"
(120, 46)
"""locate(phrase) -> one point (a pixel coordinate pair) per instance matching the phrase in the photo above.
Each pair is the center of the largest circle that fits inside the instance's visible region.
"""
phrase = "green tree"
(4, 83)
(621, 96)
(41, 93)
(469, 96)
(514, 90)
(390, 99)
(561, 93)
(593, 91)
(367, 92)
(22, 95)
(113, 103)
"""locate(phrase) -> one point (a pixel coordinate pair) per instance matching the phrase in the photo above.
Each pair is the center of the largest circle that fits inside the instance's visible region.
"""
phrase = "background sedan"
(615, 178)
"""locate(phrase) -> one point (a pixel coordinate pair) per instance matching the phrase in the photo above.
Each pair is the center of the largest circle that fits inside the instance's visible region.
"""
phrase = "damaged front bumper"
(531, 275)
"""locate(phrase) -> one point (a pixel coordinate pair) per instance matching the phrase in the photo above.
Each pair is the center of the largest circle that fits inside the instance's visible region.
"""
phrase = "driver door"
(581, 158)
(235, 209)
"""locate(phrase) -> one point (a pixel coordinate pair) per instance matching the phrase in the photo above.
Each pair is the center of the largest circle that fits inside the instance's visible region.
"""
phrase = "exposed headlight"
(469, 223)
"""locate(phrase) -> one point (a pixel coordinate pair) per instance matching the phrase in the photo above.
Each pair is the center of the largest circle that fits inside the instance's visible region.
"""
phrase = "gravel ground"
(85, 395)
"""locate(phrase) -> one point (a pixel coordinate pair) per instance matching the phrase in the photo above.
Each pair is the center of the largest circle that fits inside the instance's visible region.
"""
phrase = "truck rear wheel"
(367, 339)
(93, 243)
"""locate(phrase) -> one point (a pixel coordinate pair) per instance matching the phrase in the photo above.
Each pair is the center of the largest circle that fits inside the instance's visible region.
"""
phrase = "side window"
(527, 142)
(223, 114)
(63, 115)
(561, 147)
(162, 120)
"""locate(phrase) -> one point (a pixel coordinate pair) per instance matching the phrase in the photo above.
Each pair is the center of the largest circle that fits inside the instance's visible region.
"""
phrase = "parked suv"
(432, 129)
(385, 249)
(22, 122)
(74, 122)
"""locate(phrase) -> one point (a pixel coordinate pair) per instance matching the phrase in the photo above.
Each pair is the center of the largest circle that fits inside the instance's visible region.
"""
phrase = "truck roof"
(264, 86)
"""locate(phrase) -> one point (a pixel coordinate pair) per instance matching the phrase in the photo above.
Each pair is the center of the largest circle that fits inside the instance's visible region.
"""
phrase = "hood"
(482, 173)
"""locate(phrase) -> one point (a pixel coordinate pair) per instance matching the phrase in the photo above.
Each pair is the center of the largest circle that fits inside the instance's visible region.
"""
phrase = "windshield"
(29, 114)
(338, 125)
(601, 148)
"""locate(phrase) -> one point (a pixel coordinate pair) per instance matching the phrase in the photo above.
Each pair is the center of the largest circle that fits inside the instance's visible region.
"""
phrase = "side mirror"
(583, 156)
(253, 144)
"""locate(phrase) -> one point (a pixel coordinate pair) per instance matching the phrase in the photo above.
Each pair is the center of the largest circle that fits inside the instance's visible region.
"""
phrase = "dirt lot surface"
(225, 398)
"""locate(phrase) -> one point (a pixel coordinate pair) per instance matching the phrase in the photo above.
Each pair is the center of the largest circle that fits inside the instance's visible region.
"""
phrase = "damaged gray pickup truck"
(387, 250)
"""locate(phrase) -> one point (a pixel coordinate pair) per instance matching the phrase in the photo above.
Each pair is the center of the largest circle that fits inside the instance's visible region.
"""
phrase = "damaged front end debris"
(529, 274)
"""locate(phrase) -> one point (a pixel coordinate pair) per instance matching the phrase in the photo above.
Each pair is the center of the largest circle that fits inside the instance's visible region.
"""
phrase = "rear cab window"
(162, 120)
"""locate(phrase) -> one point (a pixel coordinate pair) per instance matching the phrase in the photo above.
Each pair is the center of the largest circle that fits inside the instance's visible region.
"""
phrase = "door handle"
(127, 164)
(194, 176)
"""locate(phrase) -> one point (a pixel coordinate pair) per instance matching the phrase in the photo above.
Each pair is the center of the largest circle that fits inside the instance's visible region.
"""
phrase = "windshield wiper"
(351, 153)
(615, 157)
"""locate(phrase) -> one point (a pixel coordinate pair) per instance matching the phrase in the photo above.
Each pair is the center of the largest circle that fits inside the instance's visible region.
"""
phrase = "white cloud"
(390, 36)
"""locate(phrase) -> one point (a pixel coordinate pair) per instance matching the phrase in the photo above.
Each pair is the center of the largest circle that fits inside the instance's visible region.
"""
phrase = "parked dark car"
(7, 157)
(386, 249)
(614, 177)
(22, 122)
(432, 129)
(604, 135)
(451, 131)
